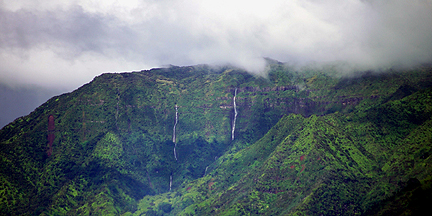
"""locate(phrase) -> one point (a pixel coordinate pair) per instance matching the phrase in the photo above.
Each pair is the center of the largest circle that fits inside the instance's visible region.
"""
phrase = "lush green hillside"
(305, 142)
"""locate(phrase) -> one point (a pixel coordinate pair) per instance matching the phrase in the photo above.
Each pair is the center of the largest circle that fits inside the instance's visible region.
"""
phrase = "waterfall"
(175, 124)
(174, 131)
(170, 181)
(235, 114)
(205, 171)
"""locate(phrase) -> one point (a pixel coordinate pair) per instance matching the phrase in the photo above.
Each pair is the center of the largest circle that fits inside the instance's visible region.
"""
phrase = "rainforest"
(206, 140)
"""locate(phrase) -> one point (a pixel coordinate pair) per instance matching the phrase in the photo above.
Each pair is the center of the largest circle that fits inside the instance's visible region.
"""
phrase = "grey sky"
(20, 101)
(64, 44)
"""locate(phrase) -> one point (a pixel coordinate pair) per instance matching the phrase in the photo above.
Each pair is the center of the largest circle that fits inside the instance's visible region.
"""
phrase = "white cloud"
(48, 42)
(44, 67)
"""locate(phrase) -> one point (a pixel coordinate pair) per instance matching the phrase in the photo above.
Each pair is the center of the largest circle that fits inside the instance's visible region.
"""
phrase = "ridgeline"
(202, 140)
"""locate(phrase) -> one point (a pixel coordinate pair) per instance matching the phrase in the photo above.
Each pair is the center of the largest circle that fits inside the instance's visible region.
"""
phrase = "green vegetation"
(307, 142)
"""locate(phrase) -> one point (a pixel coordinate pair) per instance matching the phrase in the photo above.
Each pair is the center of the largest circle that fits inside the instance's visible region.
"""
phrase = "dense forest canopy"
(201, 140)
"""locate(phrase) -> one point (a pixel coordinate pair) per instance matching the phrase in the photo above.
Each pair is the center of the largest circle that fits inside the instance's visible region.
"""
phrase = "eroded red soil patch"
(210, 185)
(302, 157)
(51, 124)
(303, 167)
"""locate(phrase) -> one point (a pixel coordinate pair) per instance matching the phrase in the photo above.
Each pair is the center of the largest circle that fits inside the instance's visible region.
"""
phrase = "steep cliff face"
(110, 142)
(373, 160)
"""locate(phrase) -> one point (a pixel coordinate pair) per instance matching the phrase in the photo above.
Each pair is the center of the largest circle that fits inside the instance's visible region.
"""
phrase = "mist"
(65, 44)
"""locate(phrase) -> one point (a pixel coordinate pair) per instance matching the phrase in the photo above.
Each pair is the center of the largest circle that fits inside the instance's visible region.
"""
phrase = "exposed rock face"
(297, 105)
(267, 89)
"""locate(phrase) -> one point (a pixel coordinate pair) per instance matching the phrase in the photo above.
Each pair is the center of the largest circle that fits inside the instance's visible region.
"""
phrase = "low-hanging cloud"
(66, 44)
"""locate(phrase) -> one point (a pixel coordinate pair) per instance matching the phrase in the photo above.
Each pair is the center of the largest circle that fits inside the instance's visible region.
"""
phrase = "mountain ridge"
(111, 149)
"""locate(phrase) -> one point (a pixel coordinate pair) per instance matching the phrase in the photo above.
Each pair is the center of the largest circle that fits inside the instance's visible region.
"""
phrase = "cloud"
(67, 43)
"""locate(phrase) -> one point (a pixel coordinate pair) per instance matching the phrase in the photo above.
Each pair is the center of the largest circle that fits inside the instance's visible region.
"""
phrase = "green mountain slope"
(328, 165)
(305, 142)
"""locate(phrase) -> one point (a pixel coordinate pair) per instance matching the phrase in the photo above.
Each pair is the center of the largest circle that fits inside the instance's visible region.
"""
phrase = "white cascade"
(235, 114)
(205, 171)
(170, 182)
(174, 132)
(175, 124)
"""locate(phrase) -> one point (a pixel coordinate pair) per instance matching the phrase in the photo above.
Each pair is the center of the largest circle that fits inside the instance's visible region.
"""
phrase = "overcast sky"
(64, 44)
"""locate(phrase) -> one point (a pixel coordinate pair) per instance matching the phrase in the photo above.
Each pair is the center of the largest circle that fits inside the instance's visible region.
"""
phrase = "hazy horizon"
(20, 101)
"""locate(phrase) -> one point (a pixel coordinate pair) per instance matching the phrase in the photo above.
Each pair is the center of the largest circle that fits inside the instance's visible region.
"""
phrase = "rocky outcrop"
(266, 89)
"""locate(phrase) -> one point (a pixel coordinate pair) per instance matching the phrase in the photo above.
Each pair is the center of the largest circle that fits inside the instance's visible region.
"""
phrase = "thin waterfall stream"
(235, 114)
(205, 171)
(174, 132)
(174, 141)
(170, 182)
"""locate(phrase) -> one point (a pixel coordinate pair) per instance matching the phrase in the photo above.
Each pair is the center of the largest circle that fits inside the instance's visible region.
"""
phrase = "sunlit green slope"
(305, 141)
